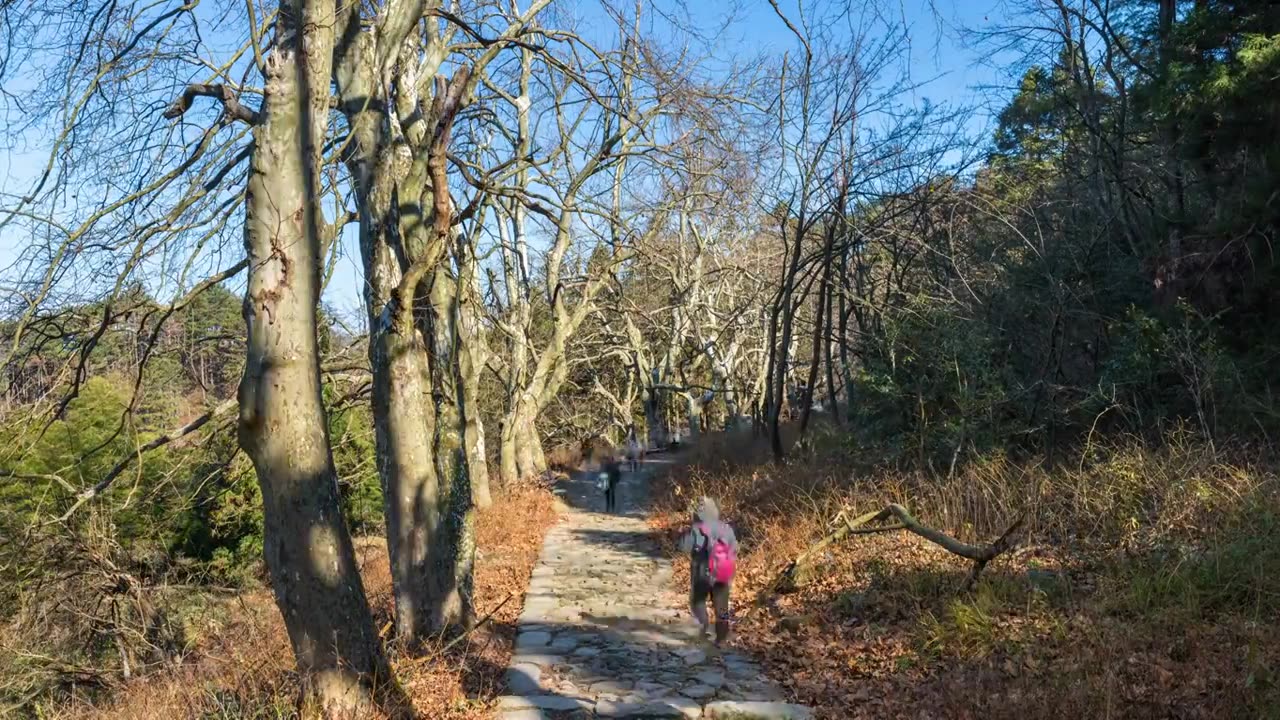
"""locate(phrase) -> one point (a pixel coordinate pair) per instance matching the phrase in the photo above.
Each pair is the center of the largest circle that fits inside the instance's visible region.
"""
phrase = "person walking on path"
(713, 551)
(635, 452)
(611, 472)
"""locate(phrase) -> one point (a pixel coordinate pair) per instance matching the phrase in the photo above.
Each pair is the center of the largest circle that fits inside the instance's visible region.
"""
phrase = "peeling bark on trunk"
(529, 457)
(400, 367)
(282, 425)
(520, 453)
(477, 454)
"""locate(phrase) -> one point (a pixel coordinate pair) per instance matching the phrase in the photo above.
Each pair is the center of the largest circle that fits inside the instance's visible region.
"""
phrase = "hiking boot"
(723, 635)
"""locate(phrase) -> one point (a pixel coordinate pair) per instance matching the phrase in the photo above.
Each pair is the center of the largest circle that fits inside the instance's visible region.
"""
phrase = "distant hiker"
(713, 554)
(635, 451)
(610, 476)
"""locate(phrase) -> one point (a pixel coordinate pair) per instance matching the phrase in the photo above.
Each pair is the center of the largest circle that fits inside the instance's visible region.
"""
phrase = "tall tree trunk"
(473, 354)
(846, 309)
(820, 324)
(514, 458)
(282, 425)
(394, 184)
(827, 339)
(406, 463)
(782, 328)
(398, 353)
(453, 550)
(781, 324)
(772, 405)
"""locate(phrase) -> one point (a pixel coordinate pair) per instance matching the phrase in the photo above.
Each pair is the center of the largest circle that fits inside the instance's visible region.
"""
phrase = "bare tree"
(849, 139)
(401, 109)
(282, 421)
(591, 192)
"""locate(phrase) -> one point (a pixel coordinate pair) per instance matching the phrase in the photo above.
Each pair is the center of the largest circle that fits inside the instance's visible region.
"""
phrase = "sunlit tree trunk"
(449, 574)
(282, 425)
(403, 418)
(401, 245)
(473, 354)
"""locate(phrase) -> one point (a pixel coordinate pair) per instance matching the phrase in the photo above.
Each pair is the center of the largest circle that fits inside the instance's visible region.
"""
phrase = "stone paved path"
(603, 633)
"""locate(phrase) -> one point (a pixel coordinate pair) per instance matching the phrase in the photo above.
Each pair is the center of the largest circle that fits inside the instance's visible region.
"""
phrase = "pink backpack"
(721, 561)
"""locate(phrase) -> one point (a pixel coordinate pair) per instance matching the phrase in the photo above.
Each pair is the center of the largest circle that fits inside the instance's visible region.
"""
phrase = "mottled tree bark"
(529, 457)
(402, 419)
(447, 576)
(402, 246)
(397, 351)
(282, 426)
(473, 354)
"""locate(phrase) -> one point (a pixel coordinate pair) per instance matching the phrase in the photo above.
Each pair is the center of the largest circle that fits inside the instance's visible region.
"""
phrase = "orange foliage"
(883, 630)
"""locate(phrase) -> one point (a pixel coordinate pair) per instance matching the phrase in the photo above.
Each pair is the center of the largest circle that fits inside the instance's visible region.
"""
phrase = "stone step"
(747, 710)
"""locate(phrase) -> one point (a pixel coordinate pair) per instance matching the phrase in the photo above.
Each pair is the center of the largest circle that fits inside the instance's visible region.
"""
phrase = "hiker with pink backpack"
(713, 556)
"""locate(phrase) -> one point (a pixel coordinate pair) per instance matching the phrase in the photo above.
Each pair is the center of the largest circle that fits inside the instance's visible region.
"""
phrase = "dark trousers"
(719, 594)
(611, 497)
(611, 492)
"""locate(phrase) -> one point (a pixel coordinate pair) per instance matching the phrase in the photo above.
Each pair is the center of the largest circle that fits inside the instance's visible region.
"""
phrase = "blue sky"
(945, 70)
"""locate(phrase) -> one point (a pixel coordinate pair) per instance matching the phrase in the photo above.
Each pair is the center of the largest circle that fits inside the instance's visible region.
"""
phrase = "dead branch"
(224, 94)
(178, 433)
(794, 574)
(484, 620)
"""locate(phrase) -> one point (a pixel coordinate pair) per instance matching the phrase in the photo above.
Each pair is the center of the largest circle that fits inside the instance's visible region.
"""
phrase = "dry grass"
(1148, 584)
(243, 666)
(565, 457)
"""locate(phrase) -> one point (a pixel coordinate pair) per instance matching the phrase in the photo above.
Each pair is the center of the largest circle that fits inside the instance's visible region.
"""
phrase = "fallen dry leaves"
(463, 684)
(243, 666)
(883, 630)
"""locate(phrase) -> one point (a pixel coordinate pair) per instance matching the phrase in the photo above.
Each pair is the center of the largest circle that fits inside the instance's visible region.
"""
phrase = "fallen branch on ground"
(437, 654)
(477, 625)
(794, 574)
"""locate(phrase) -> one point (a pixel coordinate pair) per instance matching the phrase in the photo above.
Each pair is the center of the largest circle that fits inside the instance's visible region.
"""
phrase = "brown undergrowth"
(1147, 583)
(242, 666)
